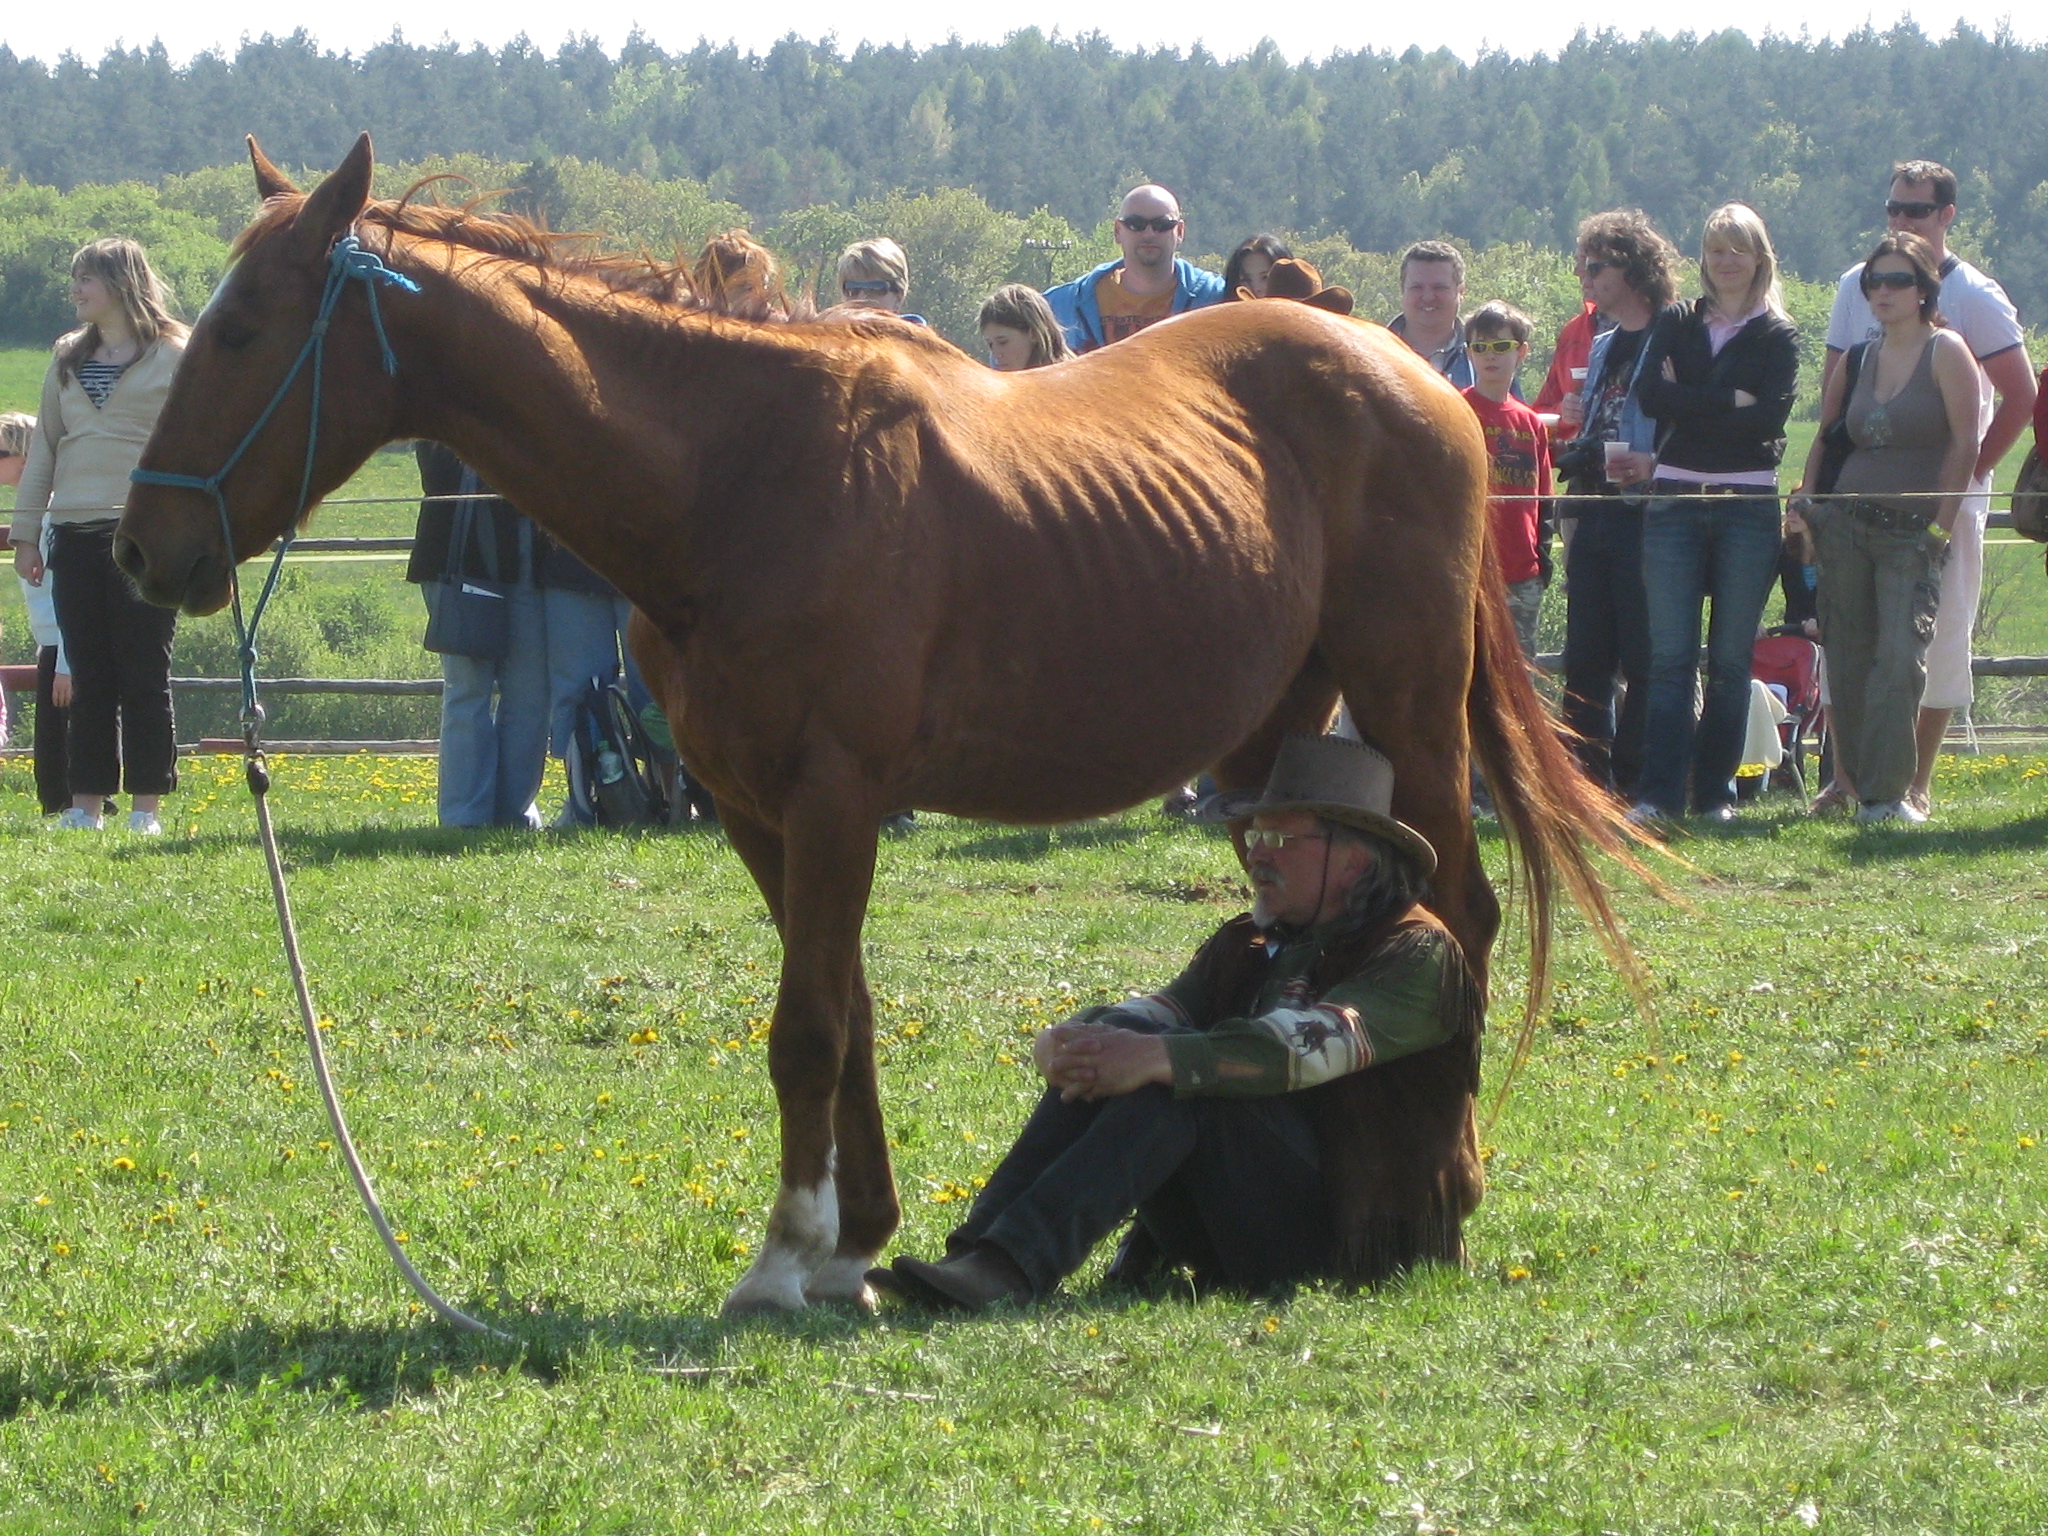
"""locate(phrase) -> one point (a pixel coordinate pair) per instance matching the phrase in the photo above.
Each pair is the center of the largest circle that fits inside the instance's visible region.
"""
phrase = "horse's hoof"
(842, 1282)
(762, 1301)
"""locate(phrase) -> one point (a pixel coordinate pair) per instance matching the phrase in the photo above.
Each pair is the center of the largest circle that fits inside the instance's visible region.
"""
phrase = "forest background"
(1000, 162)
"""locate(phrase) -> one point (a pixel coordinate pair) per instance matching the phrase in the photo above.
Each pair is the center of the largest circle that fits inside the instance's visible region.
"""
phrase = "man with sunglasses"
(1922, 201)
(1298, 1102)
(1143, 286)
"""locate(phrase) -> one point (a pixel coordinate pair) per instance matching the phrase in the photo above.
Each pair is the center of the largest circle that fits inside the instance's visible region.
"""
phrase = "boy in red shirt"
(1518, 449)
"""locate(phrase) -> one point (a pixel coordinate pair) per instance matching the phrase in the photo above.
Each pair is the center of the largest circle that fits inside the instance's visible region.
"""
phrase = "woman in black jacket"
(1719, 379)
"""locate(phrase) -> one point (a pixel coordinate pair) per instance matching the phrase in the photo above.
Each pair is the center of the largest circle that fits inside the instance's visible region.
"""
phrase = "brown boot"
(972, 1282)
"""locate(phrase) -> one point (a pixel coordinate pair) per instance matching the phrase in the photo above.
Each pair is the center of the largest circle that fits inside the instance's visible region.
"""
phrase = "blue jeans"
(586, 638)
(1726, 552)
(1605, 634)
(494, 723)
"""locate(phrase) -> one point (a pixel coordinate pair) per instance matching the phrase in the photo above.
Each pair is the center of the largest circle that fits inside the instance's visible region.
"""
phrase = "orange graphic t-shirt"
(1124, 313)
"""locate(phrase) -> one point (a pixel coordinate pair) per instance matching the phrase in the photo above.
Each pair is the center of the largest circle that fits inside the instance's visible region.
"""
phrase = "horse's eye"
(234, 335)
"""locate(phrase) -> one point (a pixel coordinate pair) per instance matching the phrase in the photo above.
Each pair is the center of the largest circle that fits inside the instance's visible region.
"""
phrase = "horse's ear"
(270, 181)
(333, 206)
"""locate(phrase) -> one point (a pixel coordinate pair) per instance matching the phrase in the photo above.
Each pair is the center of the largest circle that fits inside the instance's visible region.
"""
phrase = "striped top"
(98, 379)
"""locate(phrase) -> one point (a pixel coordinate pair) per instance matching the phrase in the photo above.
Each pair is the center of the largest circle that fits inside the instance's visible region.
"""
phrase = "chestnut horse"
(874, 575)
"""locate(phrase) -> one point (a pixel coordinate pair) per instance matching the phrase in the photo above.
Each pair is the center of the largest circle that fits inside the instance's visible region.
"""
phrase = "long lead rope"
(258, 772)
(349, 262)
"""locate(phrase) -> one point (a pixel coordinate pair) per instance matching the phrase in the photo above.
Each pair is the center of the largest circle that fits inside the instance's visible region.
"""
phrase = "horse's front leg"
(828, 839)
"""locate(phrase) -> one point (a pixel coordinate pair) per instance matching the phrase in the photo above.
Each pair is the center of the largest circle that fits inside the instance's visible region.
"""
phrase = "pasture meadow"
(1775, 1263)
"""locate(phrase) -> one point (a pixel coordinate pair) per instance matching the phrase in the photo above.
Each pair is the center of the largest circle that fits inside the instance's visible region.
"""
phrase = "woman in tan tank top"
(1881, 542)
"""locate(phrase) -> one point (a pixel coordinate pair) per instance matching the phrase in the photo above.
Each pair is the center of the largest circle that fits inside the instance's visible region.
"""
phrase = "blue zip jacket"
(1637, 427)
(1073, 304)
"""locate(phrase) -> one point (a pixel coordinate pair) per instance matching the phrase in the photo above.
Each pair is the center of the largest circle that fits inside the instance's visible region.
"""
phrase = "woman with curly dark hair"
(1631, 276)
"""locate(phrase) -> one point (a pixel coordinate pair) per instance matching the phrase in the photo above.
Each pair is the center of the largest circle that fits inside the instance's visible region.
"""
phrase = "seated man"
(1297, 1103)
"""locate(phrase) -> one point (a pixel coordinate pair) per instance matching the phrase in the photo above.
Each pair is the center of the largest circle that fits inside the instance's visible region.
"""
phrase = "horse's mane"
(517, 238)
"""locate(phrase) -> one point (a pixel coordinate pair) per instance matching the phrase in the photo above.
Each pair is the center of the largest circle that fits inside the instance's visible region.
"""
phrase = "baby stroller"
(1789, 665)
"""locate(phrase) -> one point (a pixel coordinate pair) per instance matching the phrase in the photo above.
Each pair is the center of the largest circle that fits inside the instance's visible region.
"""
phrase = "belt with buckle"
(1712, 488)
(1889, 519)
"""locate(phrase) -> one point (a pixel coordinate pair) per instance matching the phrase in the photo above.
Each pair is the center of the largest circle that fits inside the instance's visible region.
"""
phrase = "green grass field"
(1777, 1263)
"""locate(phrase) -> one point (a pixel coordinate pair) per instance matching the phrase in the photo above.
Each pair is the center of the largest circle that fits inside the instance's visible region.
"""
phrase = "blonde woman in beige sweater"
(101, 397)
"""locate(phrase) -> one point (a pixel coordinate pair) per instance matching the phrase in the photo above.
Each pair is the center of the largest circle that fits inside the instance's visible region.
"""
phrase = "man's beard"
(1262, 911)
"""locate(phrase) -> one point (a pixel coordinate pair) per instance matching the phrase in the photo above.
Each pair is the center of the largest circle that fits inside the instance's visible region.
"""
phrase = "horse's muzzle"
(197, 586)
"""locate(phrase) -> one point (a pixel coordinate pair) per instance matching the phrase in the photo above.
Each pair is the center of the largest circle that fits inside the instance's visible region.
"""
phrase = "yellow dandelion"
(1518, 1272)
(123, 1165)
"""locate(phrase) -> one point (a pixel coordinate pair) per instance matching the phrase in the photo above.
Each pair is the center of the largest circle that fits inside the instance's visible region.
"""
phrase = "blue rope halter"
(349, 262)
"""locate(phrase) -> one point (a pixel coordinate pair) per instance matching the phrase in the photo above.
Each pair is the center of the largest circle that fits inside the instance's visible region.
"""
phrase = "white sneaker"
(1890, 810)
(76, 820)
(146, 823)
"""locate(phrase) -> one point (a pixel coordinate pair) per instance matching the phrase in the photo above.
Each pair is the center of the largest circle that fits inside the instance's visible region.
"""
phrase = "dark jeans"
(1724, 551)
(119, 648)
(53, 773)
(1228, 1187)
(1606, 633)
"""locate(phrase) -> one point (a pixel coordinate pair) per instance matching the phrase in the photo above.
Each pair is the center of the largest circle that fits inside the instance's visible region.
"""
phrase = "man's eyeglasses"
(1503, 345)
(863, 286)
(1890, 280)
(1259, 837)
(1593, 268)
(1159, 226)
(1895, 209)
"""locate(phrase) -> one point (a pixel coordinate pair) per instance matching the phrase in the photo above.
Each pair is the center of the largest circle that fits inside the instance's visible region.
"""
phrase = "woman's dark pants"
(53, 724)
(1607, 633)
(119, 648)
(1228, 1187)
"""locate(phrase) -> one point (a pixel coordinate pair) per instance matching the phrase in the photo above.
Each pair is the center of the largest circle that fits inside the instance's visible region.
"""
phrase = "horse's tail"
(1553, 815)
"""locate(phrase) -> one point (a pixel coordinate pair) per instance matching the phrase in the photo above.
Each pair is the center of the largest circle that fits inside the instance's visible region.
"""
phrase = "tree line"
(1375, 148)
(960, 247)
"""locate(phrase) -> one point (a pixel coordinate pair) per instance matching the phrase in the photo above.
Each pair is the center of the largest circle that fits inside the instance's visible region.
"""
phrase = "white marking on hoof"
(844, 1282)
(803, 1229)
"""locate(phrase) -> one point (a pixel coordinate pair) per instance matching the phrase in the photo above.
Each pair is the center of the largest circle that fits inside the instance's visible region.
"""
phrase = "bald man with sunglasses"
(1147, 283)
(1297, 1103)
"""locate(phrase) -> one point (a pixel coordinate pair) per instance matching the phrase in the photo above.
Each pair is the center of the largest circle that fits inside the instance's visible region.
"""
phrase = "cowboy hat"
(1293, 278)
(1338, 779)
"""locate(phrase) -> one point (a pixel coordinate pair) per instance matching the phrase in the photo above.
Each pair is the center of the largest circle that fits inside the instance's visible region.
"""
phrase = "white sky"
(1226, 27)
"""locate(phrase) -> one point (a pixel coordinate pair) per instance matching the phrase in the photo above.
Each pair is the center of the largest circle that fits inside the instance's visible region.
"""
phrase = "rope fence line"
(1744, 493)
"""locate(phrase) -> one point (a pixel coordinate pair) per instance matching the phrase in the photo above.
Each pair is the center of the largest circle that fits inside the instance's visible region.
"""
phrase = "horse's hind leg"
(1408, 700)
(868, 1209)
(828, 841)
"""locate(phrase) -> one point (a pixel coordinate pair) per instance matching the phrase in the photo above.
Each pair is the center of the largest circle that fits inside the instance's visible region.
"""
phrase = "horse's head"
(171, 540)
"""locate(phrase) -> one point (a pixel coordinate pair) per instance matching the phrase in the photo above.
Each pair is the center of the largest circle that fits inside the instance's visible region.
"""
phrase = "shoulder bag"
(471, 616)
(2030, 498)
(1836, 444)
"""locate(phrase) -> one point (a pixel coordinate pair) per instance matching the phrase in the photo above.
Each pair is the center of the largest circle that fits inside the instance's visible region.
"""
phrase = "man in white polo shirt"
(1923, 202)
